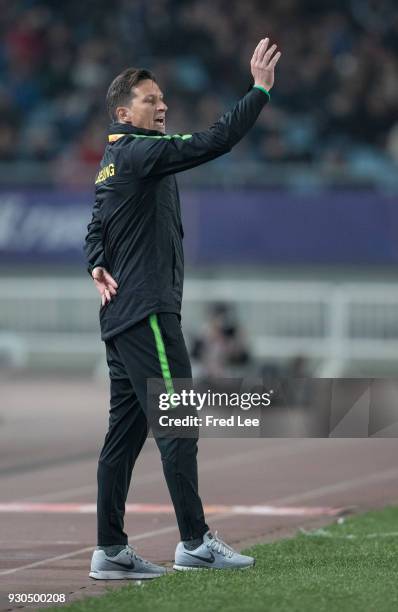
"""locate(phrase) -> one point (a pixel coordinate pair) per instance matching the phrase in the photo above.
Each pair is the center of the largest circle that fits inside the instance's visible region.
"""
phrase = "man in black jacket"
(135, 256)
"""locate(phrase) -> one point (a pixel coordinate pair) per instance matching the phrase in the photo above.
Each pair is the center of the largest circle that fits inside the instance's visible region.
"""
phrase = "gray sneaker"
(213, 553)
(125, 565)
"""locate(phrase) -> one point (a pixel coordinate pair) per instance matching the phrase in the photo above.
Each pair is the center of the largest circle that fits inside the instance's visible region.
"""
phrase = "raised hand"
(263, 64)
(105, 284)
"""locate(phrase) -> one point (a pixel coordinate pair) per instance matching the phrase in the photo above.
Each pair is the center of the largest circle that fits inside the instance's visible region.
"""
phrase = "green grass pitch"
(344, 567)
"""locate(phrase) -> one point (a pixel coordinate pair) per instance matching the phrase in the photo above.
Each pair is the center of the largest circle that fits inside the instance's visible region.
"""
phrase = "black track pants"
(133, 356)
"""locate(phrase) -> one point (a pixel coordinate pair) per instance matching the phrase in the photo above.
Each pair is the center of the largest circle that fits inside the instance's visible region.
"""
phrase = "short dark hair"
(119, 91)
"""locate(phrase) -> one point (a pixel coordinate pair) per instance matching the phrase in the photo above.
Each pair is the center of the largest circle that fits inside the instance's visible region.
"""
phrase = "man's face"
(147, 108)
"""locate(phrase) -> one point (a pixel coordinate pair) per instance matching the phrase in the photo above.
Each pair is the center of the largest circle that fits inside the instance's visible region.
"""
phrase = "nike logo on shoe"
(210, 559)
(123, 565)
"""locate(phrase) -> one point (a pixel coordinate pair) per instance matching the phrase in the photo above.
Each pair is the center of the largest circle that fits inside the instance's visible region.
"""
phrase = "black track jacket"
(136, 231)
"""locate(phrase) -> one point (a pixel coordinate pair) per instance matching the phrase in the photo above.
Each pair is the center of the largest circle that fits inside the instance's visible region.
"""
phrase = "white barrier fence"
(334, 323)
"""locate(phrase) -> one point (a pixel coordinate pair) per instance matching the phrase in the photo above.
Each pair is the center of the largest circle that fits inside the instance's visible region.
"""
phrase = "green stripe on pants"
(164, 364)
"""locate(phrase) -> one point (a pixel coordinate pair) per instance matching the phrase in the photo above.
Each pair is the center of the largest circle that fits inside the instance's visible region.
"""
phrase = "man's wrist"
(262, 88)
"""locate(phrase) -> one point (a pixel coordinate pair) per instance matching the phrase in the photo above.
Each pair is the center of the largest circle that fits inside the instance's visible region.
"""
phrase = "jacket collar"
(117, 130)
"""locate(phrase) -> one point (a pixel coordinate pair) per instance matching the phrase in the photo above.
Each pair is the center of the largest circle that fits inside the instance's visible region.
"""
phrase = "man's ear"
(123, 114)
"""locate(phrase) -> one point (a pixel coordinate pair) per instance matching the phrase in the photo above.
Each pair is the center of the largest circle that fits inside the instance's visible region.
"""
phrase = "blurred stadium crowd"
(335, 99)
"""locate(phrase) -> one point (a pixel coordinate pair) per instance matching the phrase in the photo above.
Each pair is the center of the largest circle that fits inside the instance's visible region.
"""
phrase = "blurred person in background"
(135, 256)
(220, 351)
